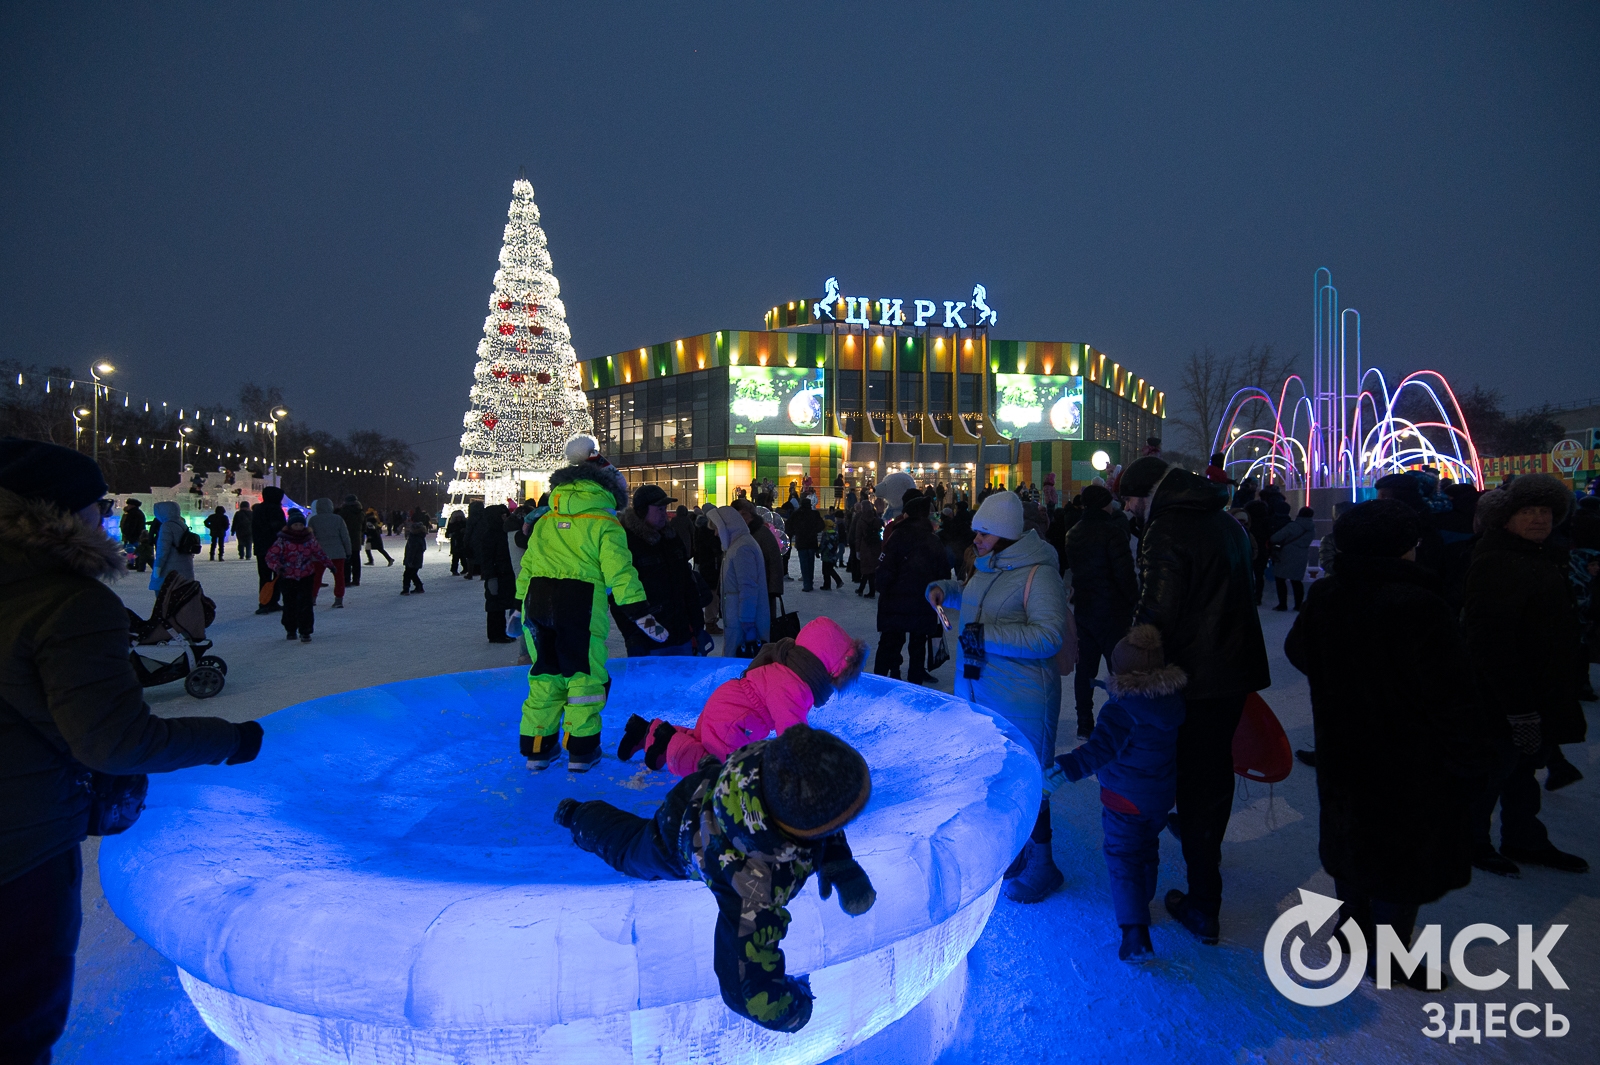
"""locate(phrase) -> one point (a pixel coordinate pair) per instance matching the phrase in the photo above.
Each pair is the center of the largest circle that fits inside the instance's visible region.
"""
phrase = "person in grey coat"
(169, 559)
(333, 533)
(1293, 546)
(1013, 621)
(743, 583)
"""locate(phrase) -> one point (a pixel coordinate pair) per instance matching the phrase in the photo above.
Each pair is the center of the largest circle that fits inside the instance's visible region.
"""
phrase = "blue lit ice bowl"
(385, 883)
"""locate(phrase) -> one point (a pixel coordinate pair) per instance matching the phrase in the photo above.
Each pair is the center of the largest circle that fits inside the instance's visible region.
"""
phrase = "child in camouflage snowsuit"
(752, 831)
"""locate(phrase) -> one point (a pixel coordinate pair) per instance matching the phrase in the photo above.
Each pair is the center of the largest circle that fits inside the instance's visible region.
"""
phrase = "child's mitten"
(856, 893)
(652, 628)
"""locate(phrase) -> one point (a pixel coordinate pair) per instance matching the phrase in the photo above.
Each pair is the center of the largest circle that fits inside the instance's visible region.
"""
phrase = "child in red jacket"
(778, 689)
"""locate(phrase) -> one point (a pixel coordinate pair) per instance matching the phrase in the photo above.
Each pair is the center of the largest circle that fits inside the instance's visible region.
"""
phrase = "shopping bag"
(785, 625)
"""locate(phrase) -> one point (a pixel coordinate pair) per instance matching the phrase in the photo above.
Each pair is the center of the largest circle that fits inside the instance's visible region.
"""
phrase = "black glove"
(856, 893)
(800, 1014)
(1526, 733)
(972, 640)
(250, 734)
(493, 584)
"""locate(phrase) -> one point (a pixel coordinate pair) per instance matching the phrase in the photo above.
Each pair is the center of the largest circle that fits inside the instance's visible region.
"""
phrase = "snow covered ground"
(1043, 982)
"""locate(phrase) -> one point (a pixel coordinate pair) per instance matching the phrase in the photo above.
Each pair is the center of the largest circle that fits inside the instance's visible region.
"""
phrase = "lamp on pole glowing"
(277, 414)
(308, 453)
(183, 438)
(77, 423)
(101, 367)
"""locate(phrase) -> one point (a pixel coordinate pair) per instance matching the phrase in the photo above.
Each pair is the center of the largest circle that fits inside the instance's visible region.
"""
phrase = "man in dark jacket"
(1104, 590)
(493, 551)
(474, 531)
(243, 535)
(351, 511)
(708, 561)
(1195, 587)
(804, 529)
(69, 705)
(132, 525)
(266, 521)
(1522, 635)
(663, 564)
(1400, 751)
(912, 557)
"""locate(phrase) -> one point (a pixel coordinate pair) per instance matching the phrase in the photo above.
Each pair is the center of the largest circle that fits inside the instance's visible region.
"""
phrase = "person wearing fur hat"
(70, 705)
(753, 831)
(775, 692)
(1104, 590)
(1134, 751)
(297, 560)
(1013, 621)
(911, 558)
(1518, 609)
(575, 553)
(1195, 586)
(1400, 752)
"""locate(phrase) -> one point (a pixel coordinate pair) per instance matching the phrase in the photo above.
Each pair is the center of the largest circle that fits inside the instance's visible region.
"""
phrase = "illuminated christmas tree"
(526, 397)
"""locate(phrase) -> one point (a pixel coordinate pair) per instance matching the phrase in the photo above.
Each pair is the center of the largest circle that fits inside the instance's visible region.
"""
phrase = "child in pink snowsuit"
(778, 689)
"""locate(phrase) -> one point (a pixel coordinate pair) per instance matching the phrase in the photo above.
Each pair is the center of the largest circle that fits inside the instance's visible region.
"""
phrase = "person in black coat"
(662, 561)
(804, 528)
(1522, 634)
(243, 535)
(455, 530)
(1400, 750)
(911, 558)
(1196, 588)
(474, 531)
(266, 521)
(492, 549)
(708, 561)
(354, 517)
(1104, 590)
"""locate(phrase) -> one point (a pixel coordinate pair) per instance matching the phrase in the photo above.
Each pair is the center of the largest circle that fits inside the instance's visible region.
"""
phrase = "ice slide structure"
(385, 885)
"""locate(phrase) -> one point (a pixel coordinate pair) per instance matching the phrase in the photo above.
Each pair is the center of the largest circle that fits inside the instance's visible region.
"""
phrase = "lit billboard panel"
(773, 401)
(1031, 407)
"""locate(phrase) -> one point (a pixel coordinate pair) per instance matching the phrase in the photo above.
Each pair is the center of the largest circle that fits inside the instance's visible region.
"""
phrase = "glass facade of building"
(718, 410)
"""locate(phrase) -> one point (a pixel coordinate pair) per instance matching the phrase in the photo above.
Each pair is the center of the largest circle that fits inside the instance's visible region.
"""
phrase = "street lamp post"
(277, 414)
(95, 371)
(183, 438)
(77, 425)
(388, 468)
(308, 453)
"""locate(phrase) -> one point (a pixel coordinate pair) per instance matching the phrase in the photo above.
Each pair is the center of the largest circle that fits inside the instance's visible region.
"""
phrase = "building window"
(877, 391)
(967, 393)
(938, 393)
(847, 390)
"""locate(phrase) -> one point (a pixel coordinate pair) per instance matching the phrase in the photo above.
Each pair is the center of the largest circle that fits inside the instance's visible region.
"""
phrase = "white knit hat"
(1000, 515)
(581, 448)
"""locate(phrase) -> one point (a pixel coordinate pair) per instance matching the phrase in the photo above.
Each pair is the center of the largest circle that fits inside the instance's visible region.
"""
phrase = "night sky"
(313, 195)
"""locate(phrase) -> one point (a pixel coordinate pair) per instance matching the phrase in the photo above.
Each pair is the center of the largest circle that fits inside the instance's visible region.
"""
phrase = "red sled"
(1260, 748)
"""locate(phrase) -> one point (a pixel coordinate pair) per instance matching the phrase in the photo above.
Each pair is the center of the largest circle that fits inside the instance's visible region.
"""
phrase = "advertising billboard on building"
(1033, 407)
(773, 401)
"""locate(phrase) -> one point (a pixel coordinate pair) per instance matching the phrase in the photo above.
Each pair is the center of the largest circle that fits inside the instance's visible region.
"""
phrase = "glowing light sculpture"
(1336, 432)
(385, 883)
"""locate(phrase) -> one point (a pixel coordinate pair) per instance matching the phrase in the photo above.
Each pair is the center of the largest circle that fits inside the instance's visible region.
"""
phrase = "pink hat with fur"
(840, 654)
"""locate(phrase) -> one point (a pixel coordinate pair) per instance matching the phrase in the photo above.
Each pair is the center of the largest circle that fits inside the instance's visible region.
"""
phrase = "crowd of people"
(1155, 575)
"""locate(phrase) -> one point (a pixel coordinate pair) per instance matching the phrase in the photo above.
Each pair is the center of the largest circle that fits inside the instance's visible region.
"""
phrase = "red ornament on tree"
(533, 308)
(506, 329)
(498, 371)
(544, 378)
(536, 330)
(557, 422)
(490, 422)
(518, 378)
(505, 305)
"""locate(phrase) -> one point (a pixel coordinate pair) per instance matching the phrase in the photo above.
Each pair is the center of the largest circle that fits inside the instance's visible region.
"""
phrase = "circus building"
(863, 386)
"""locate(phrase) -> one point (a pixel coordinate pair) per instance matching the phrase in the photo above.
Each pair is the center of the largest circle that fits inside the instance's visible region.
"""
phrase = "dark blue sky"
(313, 195)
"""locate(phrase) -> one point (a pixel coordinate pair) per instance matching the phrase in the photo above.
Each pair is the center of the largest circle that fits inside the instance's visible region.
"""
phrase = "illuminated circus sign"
(834, 306)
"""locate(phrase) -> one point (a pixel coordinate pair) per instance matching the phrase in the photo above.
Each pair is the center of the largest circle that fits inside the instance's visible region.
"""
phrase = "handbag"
(785, 625)
(189, 543)
(268, 590)
(115, 802)
(938, 654)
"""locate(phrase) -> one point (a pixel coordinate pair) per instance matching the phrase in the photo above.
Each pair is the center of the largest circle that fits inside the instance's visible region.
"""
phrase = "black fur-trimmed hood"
(1168, 680)
(1497, 506)
(35, 534)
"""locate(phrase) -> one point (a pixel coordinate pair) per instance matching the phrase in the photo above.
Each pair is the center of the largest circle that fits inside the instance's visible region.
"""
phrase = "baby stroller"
(182, 613)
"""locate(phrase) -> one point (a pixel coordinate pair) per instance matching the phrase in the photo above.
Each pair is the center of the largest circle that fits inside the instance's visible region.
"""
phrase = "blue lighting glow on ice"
(385, 883)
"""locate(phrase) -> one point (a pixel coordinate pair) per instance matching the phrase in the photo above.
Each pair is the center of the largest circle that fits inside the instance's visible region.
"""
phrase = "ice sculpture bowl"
(385, 883)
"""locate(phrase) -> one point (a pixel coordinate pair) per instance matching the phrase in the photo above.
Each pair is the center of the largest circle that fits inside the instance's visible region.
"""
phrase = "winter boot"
(1562, 772)
(633, 737)
(1136, 945)
(1200, 925)
(656, 756)
(1492, 861)
(1547, 856)
(566, 812)
(540, 751)
(1018, 864)
(583, 753)
(1085, 723)
(338, 602)
(1038, 878)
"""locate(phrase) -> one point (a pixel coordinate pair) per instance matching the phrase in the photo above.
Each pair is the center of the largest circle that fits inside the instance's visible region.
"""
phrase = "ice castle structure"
(385, 883)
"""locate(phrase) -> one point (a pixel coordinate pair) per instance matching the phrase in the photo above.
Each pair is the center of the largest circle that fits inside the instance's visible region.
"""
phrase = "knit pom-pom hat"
(1139, 665)
(581, 448)
(814, 782)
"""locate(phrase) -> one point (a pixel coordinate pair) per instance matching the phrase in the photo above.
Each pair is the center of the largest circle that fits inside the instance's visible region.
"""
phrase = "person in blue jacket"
(1134, 752)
